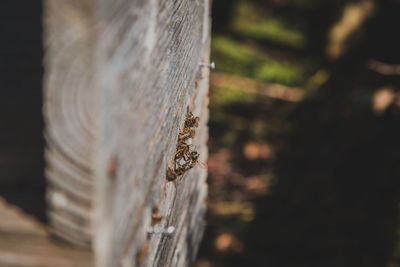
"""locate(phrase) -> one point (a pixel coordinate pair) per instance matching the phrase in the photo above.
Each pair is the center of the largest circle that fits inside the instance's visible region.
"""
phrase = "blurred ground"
(304, 134)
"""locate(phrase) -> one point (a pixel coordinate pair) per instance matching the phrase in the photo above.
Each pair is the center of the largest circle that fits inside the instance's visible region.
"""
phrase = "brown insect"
(155, 217)
(185, 158)
(171, 174)
(182, 150)
(192, 121)
(185, 167)
(185, 134)
(178, 170)
(194, 156)
(194, 160)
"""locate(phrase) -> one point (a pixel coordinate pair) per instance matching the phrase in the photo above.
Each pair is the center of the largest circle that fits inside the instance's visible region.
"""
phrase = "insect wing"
(202, 165)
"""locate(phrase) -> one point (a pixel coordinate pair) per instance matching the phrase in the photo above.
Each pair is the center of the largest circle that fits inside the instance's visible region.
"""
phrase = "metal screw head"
(155, 230)
(170, 230)
(210, 65)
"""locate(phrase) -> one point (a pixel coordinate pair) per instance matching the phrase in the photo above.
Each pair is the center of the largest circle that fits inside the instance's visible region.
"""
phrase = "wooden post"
(119, 77)
(69, 101)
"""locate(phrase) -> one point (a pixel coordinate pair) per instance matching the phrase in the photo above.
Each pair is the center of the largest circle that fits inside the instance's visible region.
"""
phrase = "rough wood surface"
(69, 116)
(147, 79)
(25, 242)
(119, 76)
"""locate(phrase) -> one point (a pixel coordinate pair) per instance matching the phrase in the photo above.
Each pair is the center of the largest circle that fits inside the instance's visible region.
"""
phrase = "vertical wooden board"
(69, 42)
(147, 62)
(188, 207)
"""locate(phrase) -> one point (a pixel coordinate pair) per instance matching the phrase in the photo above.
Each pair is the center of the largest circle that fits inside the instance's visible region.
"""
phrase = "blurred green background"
(304, 165)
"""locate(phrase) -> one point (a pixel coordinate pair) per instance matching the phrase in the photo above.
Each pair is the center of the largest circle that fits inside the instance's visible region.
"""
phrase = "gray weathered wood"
(119, 76)
(69, 92)
(147, 79)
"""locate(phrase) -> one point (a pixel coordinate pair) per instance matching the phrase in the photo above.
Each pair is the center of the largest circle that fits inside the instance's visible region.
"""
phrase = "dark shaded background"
(313, 182)
(21, 131)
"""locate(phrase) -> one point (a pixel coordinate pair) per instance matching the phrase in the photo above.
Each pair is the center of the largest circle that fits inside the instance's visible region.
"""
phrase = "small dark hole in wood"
(112, 168)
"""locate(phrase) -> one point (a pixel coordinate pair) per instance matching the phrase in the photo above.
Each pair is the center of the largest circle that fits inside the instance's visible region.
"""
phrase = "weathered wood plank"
(69, 116)
(119, 77)
(147, 79)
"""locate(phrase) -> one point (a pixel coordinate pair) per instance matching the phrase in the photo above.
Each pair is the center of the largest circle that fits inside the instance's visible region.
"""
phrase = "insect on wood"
(185, 157)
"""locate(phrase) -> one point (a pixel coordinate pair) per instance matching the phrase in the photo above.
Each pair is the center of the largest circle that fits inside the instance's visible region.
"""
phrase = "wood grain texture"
(146, 80)
(119, 76)
(69, 41)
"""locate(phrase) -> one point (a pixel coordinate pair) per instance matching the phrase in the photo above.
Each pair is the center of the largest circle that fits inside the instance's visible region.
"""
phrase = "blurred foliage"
(246, 60)
(257, 23)
(289, 176)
